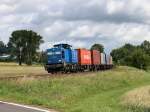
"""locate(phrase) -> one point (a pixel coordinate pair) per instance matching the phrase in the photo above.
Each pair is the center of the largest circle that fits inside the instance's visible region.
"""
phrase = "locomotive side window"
(63, 54)
(57, 52)
(50, 53)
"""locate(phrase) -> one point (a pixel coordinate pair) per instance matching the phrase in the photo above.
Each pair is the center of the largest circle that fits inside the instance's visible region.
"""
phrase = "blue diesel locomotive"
(61, 58)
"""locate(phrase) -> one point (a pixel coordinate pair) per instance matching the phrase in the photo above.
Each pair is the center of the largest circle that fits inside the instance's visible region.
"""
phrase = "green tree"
(2, 44)
(3, 48)
(24, 45)
(139, 59)
(98, 47)
(146, 47)
(120, 54)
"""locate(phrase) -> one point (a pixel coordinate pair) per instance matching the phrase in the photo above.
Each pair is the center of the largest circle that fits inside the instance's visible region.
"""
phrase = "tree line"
(133, 55)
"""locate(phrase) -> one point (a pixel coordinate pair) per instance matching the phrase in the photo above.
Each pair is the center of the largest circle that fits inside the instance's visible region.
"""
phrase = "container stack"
(103, 59)
(84, 57)
(96, 60)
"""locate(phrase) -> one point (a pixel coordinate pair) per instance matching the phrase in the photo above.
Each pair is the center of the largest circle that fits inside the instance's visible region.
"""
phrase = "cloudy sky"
(78, 22)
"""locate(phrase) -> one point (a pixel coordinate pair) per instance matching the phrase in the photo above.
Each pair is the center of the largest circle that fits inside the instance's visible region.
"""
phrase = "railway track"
(40, 76)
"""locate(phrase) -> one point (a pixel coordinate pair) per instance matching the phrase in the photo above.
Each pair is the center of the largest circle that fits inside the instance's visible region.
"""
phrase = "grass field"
(12, 69)
(96, 92)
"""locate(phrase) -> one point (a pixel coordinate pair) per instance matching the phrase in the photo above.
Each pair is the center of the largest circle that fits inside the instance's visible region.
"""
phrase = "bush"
(138, 59)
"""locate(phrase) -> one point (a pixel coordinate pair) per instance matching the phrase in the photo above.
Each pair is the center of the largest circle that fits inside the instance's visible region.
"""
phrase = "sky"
(80, 23)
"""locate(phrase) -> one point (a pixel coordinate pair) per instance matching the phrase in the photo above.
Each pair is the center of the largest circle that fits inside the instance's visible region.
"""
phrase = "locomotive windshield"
(50, 53)
(54, 56)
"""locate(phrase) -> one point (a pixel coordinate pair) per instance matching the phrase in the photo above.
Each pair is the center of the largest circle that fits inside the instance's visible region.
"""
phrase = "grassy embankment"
(95, 92)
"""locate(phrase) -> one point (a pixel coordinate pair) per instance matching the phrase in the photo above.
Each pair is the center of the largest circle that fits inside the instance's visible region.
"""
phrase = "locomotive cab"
(55, 56)
(58, 57)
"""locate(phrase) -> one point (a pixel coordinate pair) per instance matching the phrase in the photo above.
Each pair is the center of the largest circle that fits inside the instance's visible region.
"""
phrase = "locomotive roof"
(63, 45)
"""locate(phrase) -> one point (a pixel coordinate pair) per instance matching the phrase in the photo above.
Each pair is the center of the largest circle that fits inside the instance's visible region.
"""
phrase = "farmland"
(106, 91)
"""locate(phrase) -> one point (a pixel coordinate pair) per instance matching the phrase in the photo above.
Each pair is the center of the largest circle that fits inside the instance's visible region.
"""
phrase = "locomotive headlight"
(60, 60)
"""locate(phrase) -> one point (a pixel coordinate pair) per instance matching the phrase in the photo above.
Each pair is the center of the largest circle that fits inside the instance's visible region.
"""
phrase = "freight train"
(62, 58)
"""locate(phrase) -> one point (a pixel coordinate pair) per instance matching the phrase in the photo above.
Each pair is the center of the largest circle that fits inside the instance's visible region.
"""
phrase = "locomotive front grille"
(54, 66)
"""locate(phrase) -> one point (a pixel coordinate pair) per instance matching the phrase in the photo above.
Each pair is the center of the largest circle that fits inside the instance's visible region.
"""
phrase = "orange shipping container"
(96, 57)
(84, 57)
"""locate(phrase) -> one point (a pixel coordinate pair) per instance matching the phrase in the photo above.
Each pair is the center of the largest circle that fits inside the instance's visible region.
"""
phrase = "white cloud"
(78, 22)
(115, 6)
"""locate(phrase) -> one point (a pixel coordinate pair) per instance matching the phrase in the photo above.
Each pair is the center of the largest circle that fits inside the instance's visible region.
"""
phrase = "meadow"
(105, 91)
